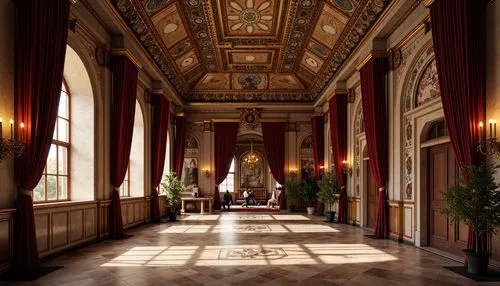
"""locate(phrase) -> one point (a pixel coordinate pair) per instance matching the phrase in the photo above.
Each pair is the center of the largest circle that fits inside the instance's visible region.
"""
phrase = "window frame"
(126, 179)
(57, 143)
(233, 173)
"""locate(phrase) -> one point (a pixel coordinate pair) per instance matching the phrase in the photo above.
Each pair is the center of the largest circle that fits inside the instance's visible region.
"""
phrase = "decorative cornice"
(427, 3)
(338, 91)
(157, 91)
(371, 55)
(73, 2)
(225, 120)
(274, 120)
(128, 54)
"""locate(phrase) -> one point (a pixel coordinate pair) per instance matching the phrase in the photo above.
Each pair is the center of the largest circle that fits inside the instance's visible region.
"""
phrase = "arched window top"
(437, 130)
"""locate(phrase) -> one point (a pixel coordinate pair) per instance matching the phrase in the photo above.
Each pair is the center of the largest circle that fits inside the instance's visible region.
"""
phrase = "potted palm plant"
(291, 194)
(309, 191)
(172, 188)
(476, 202)
(328, 194)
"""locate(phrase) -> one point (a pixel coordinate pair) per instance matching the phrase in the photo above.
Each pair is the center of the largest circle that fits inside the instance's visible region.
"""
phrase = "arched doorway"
(371, 191)
(443, 233)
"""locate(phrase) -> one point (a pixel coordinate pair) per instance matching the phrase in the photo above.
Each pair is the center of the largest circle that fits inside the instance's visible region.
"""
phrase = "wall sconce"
(346, 168)
(489, 145)
(293, 172)
(11, 147)
(206, 172)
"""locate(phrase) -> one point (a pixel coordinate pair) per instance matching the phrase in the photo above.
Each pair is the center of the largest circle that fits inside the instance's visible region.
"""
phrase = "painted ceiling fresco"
(250, 50)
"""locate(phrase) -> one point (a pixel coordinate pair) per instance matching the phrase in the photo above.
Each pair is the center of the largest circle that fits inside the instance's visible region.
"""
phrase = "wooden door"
(371, 198)
(443, 234)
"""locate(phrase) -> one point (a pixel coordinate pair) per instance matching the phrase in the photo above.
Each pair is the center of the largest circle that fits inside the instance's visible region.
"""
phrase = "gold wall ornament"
(249, 118)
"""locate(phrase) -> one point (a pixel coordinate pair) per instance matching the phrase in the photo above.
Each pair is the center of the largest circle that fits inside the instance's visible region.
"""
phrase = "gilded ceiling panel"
(250, 50)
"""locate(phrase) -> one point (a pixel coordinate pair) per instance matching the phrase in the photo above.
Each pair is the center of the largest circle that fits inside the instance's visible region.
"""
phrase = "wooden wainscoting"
(396, 219)
(408, 221)
(351, 210)
(133, 211)
(6, 238)
(63, 225)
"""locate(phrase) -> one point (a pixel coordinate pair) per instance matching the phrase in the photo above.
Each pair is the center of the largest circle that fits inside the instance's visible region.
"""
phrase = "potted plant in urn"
(291, 194)
(309, 191)
(476, 202)
(328, 194)
(172, 188)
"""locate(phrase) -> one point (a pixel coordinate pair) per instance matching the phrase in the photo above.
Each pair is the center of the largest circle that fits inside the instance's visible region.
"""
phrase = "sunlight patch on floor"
(199, 217)
(290, 217)
(248, 255)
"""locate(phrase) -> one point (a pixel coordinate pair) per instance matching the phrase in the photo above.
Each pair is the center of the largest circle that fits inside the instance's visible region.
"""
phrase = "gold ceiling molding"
(420, 26)
(73, 2)
(180, 114)
(371, 55)
(225, 120)
(318, 114)
(273, 120)
(427, 3)
(128, 54)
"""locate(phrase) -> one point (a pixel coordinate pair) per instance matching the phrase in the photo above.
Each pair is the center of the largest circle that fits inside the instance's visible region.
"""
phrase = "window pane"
(52, 160)
(51, 188)
(39, 191)
(63, 187)
(55, 132)
(63, 160)
(63, 130)
(63, 106)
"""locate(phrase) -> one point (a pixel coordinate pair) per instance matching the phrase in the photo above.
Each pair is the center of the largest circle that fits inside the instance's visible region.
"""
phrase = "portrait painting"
(190, 173)
(306, 168)
(252, 177)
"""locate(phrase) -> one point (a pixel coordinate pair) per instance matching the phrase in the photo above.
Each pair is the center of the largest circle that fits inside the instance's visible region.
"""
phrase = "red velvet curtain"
(318, 144)
(458, 33)
(338, 134)
(180, 138)
(375, 119)
(224, 148)
(274, 146)
(161, 107)
(122, 127)
(42, 33)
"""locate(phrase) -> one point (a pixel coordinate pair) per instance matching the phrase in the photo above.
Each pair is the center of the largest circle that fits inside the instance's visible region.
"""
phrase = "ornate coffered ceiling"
(250, 50)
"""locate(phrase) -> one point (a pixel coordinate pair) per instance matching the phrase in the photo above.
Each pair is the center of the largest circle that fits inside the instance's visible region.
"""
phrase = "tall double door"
(443, 233)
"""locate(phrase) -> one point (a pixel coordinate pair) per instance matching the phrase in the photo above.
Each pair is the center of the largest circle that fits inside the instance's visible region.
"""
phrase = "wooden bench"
(260, 195)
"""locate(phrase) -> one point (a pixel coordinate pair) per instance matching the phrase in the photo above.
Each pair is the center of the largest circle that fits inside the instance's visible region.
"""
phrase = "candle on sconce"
(11, 129)
(491, 128)
(494, 128)
(481, 129)
(22, 131)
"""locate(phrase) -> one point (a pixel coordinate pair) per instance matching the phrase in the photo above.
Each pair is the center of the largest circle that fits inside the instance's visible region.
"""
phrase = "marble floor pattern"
(250, 249)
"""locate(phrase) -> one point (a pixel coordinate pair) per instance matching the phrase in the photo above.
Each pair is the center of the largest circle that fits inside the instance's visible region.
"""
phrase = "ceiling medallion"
(249, 118)
(250, 17)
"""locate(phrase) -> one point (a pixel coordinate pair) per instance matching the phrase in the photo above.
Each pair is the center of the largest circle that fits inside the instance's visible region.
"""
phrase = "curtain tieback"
(25, 192)
(116, 189)
(342, 187)
(381, 189)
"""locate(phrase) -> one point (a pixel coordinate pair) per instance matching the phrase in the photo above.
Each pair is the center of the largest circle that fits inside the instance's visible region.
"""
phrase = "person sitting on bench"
(228, 200)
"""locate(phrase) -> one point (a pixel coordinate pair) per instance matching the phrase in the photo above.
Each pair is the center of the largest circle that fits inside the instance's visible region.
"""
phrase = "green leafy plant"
(309, 191)
(475, 200)
(291, 192)
(329, 189)
(172, 188)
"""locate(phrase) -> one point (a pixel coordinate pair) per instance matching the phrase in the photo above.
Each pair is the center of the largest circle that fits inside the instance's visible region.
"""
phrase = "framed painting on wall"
(306, 168)
(190, 173)
(252, 177)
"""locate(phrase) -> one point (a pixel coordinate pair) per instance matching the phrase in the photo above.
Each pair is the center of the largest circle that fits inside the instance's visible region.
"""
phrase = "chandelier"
(11, 147)
(251, 160)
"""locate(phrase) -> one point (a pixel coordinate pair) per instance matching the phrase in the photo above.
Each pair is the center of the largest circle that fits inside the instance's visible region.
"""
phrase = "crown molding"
(427, 3)
(371, 55)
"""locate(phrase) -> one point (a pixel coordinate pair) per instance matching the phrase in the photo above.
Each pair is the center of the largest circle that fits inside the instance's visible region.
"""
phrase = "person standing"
(246, 196)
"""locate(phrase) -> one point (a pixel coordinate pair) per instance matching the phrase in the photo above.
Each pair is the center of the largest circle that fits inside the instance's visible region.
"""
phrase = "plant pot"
(291, 208)
(330, 216)
(477, 262)
(310, 210)
(172, 216)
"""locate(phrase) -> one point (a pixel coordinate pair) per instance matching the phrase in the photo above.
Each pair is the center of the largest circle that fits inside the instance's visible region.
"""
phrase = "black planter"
(172, 216)
(330, 216)
(477, 262)
(291, 208)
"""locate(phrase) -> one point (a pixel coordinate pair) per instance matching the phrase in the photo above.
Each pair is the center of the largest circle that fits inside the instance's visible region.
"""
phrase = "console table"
(202, 200)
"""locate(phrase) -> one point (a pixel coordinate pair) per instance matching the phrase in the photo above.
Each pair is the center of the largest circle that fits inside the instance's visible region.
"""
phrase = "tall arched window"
(54, 184)
(228, 183)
